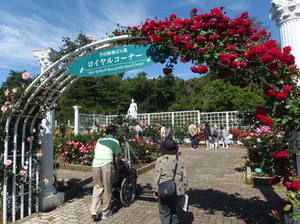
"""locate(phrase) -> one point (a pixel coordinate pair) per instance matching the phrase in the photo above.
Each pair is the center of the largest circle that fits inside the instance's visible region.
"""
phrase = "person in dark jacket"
(207, 135)
(164, 170)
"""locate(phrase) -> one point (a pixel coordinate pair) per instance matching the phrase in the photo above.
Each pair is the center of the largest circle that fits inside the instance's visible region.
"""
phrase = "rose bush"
(267, 150)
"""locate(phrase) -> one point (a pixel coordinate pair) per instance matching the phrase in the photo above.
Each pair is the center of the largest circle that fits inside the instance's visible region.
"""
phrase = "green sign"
(117, 60)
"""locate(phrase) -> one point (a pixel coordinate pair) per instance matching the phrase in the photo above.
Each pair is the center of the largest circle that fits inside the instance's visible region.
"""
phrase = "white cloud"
(125, 12)
(19, 36)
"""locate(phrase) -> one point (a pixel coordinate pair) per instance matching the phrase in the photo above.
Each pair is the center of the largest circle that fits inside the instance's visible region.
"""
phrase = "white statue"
(132, 111)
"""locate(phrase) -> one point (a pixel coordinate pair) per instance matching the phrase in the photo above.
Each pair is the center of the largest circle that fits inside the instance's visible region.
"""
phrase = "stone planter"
(261, 181)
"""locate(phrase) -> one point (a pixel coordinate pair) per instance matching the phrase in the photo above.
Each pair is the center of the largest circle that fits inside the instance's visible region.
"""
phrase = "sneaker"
(107, 216)
(191, 148)
(94, 216)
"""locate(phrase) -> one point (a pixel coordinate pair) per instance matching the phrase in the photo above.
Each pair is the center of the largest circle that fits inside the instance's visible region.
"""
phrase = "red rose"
(295, 185)
(255, 37)
(194, 11)
(244, 15)
(243, 64)
(273, 66)
(224, 58)
(233, 56)
(287, 49)
(173, 16)
(189, 45)
(263, 32)
(270, 92)
(186, 36)
(203, 69)
(177, 40)
(155, 38)
(183, 60)
(201, 50)
(171, 34)
(167, 71)
(279, 155)
(287, 88)
(213, 37)
(266, 58)
(230, 48)
(201, 39)
(235, 64)
(264, 119)
(281, 96)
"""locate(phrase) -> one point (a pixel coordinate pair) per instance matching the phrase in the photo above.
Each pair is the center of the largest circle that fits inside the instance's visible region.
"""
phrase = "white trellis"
(19, 201)
(226, 119)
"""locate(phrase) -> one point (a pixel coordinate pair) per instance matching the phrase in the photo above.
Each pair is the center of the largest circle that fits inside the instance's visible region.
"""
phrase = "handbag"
(167, 188)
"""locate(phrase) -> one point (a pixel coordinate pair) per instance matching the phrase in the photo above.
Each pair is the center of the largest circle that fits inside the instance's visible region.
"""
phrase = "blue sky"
(26, 25)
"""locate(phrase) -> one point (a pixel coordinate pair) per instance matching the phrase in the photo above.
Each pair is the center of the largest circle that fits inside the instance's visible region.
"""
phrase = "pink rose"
(30, 139)
(91, 38)
(6, 92)
(39, 154)
(265, 128)
(25, 75)
(22, 172)
(7, 162)
(45, 181)
(4, 109)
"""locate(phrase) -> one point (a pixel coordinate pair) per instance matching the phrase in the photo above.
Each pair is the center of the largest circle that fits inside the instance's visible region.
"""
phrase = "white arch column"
(286, 14)
(49, 198)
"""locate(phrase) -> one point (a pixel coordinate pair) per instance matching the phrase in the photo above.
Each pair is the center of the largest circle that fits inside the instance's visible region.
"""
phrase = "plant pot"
(261, 181)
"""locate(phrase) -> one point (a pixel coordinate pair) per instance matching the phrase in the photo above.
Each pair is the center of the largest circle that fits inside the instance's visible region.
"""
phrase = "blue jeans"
(194, 142)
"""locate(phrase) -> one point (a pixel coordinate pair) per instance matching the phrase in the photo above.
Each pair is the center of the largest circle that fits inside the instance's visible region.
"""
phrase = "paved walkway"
(217, 195)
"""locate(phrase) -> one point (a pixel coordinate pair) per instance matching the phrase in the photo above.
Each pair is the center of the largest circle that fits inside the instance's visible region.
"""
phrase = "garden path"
(217, 195)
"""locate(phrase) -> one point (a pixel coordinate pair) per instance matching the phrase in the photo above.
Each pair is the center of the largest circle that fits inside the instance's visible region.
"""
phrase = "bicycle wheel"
(127, 191)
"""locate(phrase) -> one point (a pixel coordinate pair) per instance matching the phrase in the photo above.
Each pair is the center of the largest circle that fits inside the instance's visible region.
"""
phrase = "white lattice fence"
(87, 121)
(226, 119)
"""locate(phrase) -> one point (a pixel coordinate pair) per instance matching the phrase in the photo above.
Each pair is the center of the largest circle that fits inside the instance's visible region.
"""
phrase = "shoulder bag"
(167, 188)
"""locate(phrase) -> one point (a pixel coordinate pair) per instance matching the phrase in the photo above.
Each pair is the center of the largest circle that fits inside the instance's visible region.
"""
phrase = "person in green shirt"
(106, 151)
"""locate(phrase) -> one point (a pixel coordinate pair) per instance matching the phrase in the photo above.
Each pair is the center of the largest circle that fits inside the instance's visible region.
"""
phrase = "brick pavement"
(217, 195)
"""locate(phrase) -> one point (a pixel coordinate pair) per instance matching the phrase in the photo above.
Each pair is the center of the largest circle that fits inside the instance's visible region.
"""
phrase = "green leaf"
(287, 207)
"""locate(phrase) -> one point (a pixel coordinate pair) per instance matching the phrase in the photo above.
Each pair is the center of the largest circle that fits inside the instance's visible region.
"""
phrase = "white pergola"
(46, 89)
(37, 118)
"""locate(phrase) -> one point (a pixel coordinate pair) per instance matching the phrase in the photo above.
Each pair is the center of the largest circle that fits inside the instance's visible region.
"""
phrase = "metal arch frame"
(55, 80)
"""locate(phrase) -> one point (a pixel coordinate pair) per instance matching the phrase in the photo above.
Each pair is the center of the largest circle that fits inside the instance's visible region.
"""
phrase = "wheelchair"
(125, 185)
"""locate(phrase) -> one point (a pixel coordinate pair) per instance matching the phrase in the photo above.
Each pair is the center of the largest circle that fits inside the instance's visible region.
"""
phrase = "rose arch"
(231, 49)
